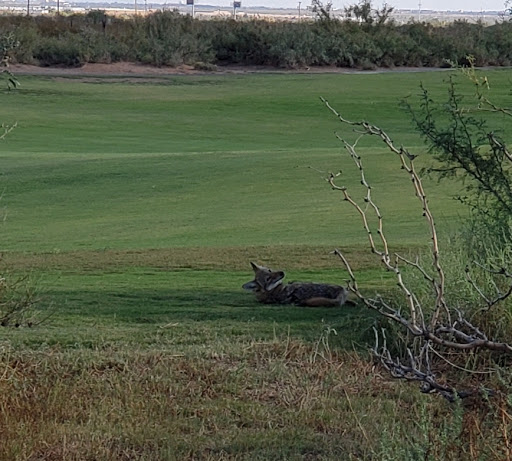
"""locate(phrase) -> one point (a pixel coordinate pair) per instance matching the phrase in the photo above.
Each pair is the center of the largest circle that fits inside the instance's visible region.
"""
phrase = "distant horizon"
(475, 6)
(437, 5)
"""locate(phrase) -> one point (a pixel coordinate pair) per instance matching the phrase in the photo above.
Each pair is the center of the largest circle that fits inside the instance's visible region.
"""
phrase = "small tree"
(7, 44)
(322, 10)
(438, 327)
(468, 150)
(364, 13)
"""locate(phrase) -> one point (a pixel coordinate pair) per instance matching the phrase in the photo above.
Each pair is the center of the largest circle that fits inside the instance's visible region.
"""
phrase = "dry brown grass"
(284, 399)
(232, 258)
(281, 399)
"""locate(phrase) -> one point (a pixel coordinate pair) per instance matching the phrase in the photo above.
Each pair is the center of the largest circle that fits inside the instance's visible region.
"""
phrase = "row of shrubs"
(170, 39)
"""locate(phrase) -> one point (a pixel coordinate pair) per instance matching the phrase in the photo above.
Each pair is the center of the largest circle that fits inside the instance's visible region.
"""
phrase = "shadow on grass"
(226, 312)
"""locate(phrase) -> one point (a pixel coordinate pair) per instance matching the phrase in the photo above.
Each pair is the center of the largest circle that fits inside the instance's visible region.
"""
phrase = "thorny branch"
(6, 130)
(407, 163)
(484, 103)
(418, 368)
(436, 327)
(500, 296)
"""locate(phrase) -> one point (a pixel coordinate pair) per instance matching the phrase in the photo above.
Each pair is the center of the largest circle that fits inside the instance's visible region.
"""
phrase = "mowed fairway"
(136, 205)
(201, 161)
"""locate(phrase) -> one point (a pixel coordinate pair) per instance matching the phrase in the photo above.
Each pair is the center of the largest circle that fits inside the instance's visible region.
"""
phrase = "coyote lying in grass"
(269, 289)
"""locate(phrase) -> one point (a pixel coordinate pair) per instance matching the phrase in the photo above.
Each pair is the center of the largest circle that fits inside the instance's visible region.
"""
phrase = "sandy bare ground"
(118, 68)
(126, 69)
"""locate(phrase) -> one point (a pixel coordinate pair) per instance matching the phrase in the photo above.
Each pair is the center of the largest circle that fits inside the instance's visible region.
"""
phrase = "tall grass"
(278, 399)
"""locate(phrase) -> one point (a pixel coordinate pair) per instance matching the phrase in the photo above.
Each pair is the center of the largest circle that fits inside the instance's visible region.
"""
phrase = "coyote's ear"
(256, 268)
(251, 286)
(277, 279)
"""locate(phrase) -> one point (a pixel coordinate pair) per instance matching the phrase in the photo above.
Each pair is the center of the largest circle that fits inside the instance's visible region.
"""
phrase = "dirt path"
(126, 69)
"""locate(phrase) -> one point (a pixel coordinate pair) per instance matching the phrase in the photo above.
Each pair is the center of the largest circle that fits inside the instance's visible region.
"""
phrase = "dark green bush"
(170, 39)
(53, 51)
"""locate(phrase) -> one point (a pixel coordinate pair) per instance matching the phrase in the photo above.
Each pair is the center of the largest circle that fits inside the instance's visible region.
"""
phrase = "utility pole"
(419, 11)
(28, 7)
(299, 10)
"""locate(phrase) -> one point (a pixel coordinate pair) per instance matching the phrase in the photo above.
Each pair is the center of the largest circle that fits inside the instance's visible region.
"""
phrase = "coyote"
(269, 289)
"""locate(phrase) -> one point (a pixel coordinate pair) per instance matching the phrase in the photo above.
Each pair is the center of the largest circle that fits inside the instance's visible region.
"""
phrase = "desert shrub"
(169, 38)
(242, 42)
(28, 38)
(466, 148)
(290, 46)
(55, 26)
(450, 317)
(54, 51)
(420, 44)
(498, 41)
(469, 144)
(335, 45)
(18, 301)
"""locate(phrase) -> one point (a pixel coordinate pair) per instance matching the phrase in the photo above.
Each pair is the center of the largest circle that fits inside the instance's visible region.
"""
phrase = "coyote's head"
(265, 279)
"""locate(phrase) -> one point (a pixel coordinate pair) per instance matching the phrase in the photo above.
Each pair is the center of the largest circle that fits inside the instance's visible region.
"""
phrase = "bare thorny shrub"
(450, 344)
(18, 301)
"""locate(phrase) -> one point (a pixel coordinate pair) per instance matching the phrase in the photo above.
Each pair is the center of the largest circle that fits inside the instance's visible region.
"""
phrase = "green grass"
(134, 306)
(203, 161)
(259, 113)
(136, 206)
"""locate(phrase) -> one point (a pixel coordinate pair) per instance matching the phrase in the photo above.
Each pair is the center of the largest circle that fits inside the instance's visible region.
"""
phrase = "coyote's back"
(269, 289)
